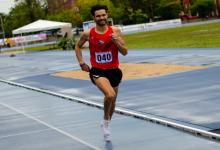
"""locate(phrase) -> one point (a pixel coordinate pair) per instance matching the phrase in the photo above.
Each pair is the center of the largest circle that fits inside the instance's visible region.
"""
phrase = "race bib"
(103, 57)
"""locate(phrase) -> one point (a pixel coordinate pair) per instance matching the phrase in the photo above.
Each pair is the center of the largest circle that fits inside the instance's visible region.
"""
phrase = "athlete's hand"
(114, 37)
(85, 67)
(118, 40)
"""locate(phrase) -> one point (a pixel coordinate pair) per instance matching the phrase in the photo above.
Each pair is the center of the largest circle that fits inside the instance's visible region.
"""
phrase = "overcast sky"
(5, 5)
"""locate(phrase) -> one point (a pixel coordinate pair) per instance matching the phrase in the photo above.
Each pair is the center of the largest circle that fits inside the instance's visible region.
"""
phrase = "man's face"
(100, 17)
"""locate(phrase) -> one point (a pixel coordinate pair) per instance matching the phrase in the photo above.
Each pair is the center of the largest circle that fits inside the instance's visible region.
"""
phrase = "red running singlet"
(103, 52)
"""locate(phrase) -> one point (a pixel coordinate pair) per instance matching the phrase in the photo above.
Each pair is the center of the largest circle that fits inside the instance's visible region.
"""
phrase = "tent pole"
(22, 44)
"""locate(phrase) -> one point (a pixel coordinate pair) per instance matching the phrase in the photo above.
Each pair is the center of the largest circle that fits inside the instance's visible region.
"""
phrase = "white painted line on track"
(51, 127)
(178, 126)
(128, 112)
(24, 133)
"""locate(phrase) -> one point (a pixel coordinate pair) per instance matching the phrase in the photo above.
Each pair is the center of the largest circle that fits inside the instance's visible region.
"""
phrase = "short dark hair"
(98, 7)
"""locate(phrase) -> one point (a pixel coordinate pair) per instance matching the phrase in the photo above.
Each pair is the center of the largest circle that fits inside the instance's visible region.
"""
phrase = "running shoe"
(106, 131)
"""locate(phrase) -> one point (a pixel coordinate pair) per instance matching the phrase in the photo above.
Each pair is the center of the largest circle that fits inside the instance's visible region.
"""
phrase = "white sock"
(106, 123)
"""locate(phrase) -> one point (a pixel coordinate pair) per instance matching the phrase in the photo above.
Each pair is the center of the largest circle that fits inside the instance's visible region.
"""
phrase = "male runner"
(104, 43)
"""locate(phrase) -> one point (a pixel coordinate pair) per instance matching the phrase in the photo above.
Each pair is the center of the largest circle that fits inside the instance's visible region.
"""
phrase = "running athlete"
(104, 43)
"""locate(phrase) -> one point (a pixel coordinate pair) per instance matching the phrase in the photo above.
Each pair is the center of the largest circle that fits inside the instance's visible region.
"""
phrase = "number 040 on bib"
(103, 57)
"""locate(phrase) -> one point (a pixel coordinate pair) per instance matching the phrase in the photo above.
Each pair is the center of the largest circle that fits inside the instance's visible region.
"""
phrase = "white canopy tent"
(44, 25)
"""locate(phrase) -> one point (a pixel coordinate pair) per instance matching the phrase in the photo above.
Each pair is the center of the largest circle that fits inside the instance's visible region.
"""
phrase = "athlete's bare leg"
(110, 96)
(113, 103)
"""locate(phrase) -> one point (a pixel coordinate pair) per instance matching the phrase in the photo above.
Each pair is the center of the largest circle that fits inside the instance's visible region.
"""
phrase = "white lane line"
(124, 111)
(181, 127)
(24, 133)
(52, 127)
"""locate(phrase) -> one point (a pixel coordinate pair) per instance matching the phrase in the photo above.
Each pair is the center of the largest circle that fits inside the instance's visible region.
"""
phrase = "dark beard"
(98, 22)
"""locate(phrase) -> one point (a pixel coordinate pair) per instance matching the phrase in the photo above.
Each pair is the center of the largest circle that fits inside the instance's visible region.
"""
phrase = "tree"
(169, 9)
(2, 28)
(151, 7)
(24, 12)
(67, 16)
(218, 7)
(137, 16)
(203, 7)
(30, 9)
(84, 9)
(66, 43)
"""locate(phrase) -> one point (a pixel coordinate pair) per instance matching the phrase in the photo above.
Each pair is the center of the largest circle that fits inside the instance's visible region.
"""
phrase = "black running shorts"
(113, 75)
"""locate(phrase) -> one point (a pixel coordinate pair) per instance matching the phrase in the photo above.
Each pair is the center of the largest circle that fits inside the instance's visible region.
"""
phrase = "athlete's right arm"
(78, 50)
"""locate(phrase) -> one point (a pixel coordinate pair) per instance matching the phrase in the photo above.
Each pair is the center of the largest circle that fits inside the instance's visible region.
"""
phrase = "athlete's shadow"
(108, 145)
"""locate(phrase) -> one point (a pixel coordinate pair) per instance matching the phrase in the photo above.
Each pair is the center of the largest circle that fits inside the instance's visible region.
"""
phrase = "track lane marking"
(51, 127)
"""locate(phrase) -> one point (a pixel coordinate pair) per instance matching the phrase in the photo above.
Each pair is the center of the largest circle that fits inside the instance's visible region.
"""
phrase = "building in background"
(58, 5)
(186, 7)
(55, 6)
(217, 2)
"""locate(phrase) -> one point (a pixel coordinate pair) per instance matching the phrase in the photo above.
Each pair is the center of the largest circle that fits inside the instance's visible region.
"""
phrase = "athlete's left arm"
(118, 40)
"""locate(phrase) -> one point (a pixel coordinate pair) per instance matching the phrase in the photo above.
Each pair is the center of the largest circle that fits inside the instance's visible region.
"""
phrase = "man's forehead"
(100, 11)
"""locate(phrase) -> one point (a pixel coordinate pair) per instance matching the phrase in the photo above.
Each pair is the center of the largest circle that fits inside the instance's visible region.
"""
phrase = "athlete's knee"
(110, 96)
